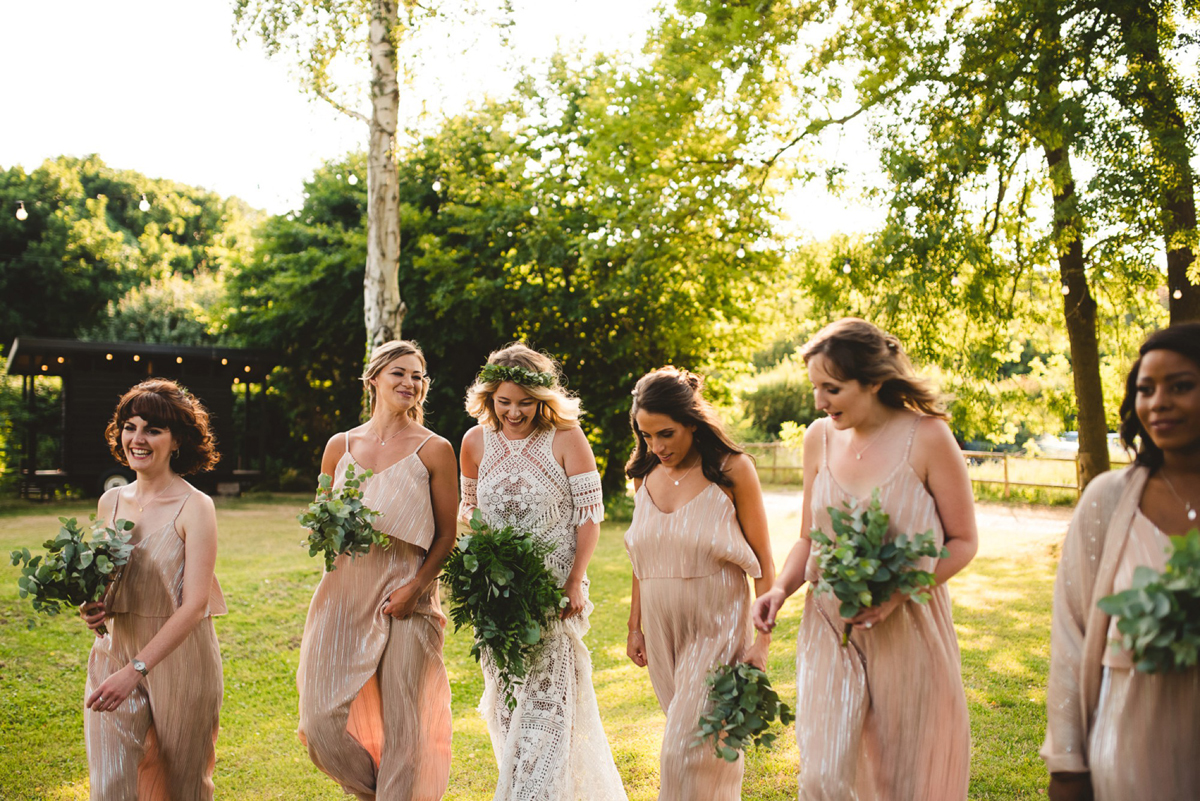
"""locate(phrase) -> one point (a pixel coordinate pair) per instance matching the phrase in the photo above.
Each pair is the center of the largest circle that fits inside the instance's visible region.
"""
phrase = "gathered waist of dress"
(681, 571)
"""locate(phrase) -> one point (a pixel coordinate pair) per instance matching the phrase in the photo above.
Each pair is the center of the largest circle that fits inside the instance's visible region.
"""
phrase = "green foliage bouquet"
(862, 569)
(74, 571)
(743, 706)
(338, 522)
(1159, 616)
(500, 585)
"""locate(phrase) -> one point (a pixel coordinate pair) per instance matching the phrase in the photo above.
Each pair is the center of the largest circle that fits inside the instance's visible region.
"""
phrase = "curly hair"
(856, 350)
(162, 402)
(1182, 338)
(556, 407)
(678, 394)
(381, 357)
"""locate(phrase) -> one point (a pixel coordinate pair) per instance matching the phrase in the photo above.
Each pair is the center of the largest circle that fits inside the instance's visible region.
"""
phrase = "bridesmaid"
(885, 717)
(528, 464)
(699, 529)
(374, 696)
(154, 684)
(1114, 732)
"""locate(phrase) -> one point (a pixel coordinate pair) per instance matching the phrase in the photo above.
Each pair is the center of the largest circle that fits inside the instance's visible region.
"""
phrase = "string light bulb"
(846, 267)
(352, 180)
(436, 186)
(954, 280)
(1066, 290)
(22, 215)
(1177, 294)
(145, 204)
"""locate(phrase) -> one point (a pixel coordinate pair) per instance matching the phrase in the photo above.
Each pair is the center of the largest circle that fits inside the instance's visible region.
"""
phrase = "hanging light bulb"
(846, 267)
(352, 180)
(437, 186)
(954, 280)
(22, 215)
(145, 204)
(1066, 290)
(1177, 294)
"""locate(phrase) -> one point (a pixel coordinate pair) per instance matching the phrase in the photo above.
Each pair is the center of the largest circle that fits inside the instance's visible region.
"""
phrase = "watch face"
(139, 666)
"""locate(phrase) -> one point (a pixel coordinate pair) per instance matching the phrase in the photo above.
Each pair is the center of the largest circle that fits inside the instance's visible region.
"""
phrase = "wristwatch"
(140, 667)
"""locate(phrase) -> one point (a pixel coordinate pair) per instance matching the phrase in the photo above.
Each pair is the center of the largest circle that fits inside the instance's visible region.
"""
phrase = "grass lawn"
(1002, 611)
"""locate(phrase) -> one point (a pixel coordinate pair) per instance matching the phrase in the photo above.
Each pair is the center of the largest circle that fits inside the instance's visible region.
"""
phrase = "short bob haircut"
(1182, 338)
(679, 395)
(381, 357)
(556, 407)
(856, 350)
(162, 402)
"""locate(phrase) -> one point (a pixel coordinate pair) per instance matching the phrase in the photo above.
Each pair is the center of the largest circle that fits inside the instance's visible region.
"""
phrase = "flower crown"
(517, 375)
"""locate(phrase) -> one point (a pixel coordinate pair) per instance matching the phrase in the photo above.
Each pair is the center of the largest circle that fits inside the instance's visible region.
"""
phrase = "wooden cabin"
(94, 377)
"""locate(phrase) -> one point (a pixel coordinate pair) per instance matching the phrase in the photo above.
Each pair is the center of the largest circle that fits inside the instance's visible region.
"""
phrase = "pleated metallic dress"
(692, 567)
(885, 718)
(374, 695)
(160, 743)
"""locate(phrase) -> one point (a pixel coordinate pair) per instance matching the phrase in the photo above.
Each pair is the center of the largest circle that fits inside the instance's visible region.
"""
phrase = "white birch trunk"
(383, 310)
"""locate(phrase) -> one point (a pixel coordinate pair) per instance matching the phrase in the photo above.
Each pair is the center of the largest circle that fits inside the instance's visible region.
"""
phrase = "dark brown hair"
(1182, 338)
(856, 350)
(162, 402)
(677, 394)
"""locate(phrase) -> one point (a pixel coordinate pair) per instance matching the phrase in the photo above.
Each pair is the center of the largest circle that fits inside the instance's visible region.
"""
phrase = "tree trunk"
(1079, 309)
(1156, 100)
(383, 310)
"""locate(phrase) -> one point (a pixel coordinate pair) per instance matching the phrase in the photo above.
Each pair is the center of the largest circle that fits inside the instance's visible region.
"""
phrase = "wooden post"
(1005, 475)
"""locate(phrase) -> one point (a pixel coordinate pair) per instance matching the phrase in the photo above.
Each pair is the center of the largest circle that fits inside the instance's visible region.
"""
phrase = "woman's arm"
(635, 644)
(575, 456)
(939, 459)
(197, 524)
(470, 455)
(752, 517)
(335, 449)
(438, 458)
(791, 578)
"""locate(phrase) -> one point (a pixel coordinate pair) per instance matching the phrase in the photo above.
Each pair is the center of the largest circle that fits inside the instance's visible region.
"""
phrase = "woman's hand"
(756, 654)
(765, 608)
(873, 616)
(635, 648)
(403, 601)
(1070, 787)
(573, 592)
(115, 689)
(93, 615)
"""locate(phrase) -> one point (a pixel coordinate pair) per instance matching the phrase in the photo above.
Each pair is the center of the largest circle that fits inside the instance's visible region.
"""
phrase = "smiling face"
(666, 438)
(848, 403)
(147, 446)
(516, 409)
(399, 385)
(1168, 400)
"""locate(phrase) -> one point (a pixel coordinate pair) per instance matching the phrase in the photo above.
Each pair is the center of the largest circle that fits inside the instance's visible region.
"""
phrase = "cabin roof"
(32, 356)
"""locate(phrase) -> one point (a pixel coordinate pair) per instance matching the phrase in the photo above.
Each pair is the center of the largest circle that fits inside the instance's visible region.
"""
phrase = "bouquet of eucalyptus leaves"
(74, 570)
(1159, 616)
(500, 585)
(862, 568)
(743, 706)
(338, 522)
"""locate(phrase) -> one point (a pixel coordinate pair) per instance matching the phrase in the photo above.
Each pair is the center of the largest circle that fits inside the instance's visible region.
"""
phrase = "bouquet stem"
(846, 635)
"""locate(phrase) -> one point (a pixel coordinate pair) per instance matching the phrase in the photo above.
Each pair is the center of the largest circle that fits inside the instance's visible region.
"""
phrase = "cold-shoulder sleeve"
(588, 497)
(468, 489)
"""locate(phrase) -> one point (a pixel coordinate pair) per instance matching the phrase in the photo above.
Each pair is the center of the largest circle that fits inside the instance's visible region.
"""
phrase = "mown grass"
(1002, 612)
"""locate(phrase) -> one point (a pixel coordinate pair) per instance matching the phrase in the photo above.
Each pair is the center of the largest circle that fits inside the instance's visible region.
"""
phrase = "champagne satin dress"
(160, 743)
(692, 567)
(884, 719)
(374, 695)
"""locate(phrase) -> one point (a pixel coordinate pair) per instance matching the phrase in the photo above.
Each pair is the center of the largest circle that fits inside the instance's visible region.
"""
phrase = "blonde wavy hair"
(556, 407)
(384, 355)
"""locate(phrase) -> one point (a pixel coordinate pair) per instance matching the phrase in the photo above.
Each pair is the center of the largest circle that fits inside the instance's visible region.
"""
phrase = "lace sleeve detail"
(470, 500)
(587, 497)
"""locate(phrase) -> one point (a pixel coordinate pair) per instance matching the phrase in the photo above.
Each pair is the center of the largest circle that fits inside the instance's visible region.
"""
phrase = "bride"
(529, 465)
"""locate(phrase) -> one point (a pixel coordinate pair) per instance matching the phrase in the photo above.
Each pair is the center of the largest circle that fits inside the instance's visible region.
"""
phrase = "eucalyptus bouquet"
(1159, 616)
(862, 569)
(743, 706)
(500, 585)
(74, 571)
(338, 522)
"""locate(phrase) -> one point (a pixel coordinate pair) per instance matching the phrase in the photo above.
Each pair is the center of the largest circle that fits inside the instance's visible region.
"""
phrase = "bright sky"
(162, 88)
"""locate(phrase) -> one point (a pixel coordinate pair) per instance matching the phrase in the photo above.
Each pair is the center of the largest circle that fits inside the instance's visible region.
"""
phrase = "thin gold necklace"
(394, 434)
(857, 453)
(141, 505)
(699, 459)
(1187, 506)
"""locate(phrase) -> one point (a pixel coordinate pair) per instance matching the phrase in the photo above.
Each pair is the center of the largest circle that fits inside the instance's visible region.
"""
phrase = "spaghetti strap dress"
(551, 746)
(885, 718)
(160, 743)
(692, 567)
(374, 695)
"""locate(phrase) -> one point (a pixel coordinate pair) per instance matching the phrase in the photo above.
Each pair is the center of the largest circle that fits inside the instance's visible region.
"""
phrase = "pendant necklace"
(394, 434)
(858, 454)
(142, 505)
(685, 475)
(1187, 506)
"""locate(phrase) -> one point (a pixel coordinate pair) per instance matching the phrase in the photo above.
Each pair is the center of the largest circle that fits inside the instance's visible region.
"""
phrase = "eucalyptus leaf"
(743, 707)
